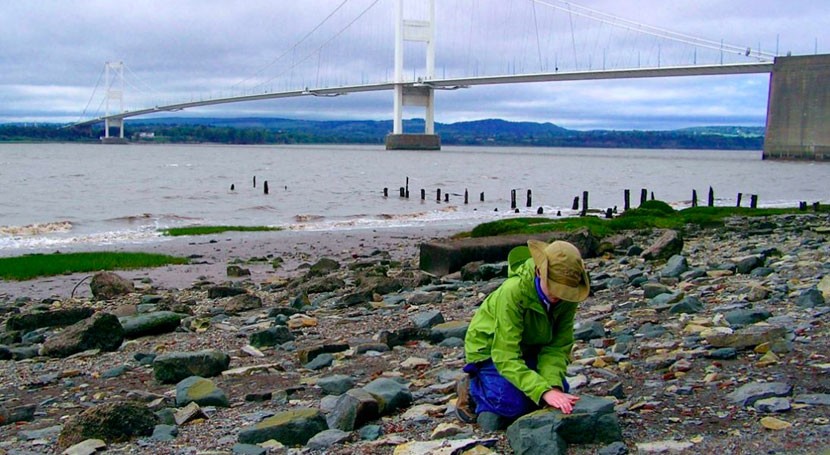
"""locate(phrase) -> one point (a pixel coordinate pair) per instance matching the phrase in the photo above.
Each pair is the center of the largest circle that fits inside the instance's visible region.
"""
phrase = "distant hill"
(266, 130)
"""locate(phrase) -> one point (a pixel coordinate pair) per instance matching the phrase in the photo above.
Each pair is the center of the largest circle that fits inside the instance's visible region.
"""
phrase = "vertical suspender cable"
(538, 45)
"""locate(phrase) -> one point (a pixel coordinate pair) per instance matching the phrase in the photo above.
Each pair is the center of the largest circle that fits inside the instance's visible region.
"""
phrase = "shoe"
(465, 406)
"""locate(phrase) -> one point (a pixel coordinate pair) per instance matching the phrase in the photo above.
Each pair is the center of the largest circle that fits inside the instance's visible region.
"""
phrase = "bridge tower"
(421, 94)
(114, 78)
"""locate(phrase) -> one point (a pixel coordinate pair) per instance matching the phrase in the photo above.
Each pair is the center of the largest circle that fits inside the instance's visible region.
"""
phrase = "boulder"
(154, 323)
(452, 329)
(675, 266)
(100, 331)
(201, 391)
(108, 285)
(110, 422)
(218, 292)
(748, 394)
(55, 318)
(750, 336)
(173, 367)
(336, 384)
(427, 319)
(747, 264)
(549, 431)
(243, 302)
(688, 305)
(290, 428)
(669, 244)
(810, 298)
(390, 394)
(324, 266)
(271, 336)
(353, 409)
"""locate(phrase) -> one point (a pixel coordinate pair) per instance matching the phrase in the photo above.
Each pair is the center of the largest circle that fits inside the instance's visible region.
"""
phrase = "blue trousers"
(493, 393)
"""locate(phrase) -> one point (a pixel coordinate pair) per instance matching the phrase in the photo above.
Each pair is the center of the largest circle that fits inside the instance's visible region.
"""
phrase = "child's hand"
(558, 399)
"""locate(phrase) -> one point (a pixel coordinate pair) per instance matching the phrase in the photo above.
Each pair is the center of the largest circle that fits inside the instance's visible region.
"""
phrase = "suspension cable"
(617, 21)
(92, 95)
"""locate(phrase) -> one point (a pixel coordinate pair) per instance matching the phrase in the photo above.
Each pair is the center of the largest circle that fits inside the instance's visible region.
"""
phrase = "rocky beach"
(713, 340)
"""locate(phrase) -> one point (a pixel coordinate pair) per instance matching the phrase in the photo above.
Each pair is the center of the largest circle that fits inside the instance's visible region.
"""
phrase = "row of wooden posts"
(644, 193)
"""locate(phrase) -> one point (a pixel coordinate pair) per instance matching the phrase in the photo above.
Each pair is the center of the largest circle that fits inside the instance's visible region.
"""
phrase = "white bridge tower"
(115, 92)
(420, 94)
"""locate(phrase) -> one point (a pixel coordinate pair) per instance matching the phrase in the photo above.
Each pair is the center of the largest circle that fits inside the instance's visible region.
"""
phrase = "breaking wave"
(36, 229)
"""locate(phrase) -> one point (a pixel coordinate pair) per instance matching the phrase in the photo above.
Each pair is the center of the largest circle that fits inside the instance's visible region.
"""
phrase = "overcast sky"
(53, 53)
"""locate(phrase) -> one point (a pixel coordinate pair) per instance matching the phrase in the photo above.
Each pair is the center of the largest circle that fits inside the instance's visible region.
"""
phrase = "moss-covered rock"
(111, 422)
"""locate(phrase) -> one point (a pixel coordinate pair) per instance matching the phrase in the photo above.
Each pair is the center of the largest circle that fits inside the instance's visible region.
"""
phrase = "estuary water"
(58, 195)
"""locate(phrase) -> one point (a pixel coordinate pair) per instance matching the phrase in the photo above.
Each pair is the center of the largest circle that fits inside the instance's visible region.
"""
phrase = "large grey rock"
(336, 384)
(390, 394)
(322, 267)
(675, 266)
(810, 298)
(327, 438)
(750, 336)
(100, 331)
(669, 244)
(108, 285)
(154, 323)
(426, 319)
(547, 431)
(24, 413)
(201, 391)
(173, 367)
(452, 329)
(652, 289)
(110, 422)
(290, 428)
(271, 336)
(589, 331)
(740, 318)
(747, 264)
(688, 305)
(55, 318)
(748, 394)
(243, 302)
(353, 409)
(218, 292)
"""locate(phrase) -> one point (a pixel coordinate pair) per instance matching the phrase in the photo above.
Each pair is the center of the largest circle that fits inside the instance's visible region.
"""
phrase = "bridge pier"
(798, 110)
(420, 94)
(113, 123)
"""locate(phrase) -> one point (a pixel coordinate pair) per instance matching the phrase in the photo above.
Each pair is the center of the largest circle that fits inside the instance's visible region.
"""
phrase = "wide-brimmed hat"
(560, 265)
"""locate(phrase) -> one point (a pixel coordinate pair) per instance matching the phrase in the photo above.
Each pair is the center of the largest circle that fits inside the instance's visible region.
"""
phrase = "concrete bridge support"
(798, 110)
(419, 95)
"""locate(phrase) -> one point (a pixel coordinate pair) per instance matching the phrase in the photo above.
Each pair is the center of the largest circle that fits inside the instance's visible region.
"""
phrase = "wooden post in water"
(694, 198)
(446, 197)
(643, 196)
(481, 197)
(627, 199)
(254, 181)
(652, 195)
(738, 203)
(529, 198)
(265, 187)
(576, 204)
(423, 194)
(232, 187)
(466, 197)
(540, 210)
(438, 195)
(609, 213)
(385, 191)
(407, 188)
(512, 199)
(802, 206)
(711, 201)
(753, 201)
(584, 203)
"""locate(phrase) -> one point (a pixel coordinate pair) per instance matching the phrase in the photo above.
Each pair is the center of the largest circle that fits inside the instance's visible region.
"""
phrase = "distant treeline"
(482, 132)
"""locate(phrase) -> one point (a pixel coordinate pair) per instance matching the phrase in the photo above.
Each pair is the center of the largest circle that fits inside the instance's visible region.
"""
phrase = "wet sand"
(210, 255)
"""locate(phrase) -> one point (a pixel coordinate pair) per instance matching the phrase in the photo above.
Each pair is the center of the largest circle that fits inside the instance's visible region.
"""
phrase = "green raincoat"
(512, 324)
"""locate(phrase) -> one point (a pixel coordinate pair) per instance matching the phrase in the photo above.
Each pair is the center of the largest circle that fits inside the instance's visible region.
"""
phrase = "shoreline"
(211, 254)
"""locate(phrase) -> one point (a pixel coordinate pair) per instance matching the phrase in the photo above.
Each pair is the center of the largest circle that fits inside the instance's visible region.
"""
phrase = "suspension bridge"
(798, 105)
